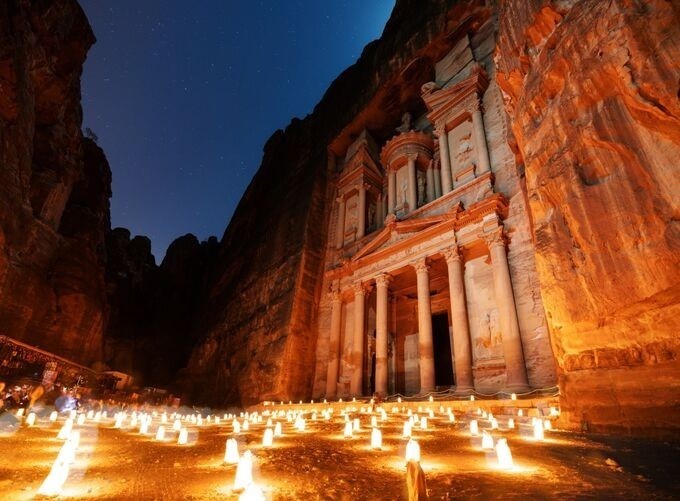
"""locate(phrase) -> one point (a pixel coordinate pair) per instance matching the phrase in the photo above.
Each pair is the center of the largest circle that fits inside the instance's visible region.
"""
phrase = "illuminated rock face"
(54, 185)
(581, 123)
(592, 95)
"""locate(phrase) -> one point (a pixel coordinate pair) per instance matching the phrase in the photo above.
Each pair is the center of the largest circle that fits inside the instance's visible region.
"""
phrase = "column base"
(517, 388)
(464, 390)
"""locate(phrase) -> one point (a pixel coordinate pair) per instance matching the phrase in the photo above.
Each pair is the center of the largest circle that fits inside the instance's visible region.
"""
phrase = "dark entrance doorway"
(443, 368)
(373, 374)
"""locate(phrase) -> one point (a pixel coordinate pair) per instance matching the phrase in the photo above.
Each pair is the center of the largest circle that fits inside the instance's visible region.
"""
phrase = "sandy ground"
(320, 464)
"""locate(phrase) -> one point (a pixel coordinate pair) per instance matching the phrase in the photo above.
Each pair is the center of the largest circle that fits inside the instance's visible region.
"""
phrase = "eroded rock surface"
(54, 185)
(592, 93)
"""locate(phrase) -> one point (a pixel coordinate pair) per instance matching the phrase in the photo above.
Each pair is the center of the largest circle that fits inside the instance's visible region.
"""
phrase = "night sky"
(184, 94)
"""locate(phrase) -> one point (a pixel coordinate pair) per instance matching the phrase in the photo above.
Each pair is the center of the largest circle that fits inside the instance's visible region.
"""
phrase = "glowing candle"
(348, 430)
(398, 400)
(252, 493)
(244, 472)
(269, 423)
(20, 412)
(520, 413)
(423, 423)
(90, 414)
(452, 417)
(487, 440)
(160, 433)
(30, 420)
(55, 480)
(503, 454)
(547, 424)
(356, 424)
(412, 451)
(118, 423)
(66, 429)
(494, 424)
(472, 398)
(53, 416)
(246, 425)
(81, 419)
(97, 416)
(374, 421)
(218, 420)
(430, 413)
(554, 411)
(511, 423)
(474, 428)
(513, 396)
(538, 430)
(183, 436)
(236, 426)
(199, 421)
(144, 427)
(277, 430)
(231, 451)
(268, 438)
(407, 429)
(177, 425)
(164, 418)
(376, 439)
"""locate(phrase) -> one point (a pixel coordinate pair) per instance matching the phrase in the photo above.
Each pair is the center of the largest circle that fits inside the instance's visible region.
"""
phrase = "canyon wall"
(153, 307)
(592, 92)
(54, 185)
(256, 330)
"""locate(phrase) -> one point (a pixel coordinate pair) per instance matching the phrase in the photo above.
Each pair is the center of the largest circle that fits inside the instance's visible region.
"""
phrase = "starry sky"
(183, 95)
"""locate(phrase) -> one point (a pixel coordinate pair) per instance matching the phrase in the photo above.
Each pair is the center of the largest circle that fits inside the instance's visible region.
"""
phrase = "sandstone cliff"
(259, 310)
(54, 185)
(153, 308)
(592, 93)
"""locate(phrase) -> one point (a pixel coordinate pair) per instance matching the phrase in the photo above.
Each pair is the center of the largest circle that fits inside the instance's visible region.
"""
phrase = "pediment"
(396, 231)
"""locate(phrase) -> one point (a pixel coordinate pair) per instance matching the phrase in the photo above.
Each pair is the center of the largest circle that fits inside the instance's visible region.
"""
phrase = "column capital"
(476, 106)
(340, 199)
(439, 130)
(420, 266)
(360, 288)
(383, 279)
(335, 296)
(495, 238)
(453, 254)
(412, 156)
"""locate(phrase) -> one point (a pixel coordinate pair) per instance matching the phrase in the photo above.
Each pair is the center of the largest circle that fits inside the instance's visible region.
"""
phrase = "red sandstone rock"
(54, 187)
(592, 92)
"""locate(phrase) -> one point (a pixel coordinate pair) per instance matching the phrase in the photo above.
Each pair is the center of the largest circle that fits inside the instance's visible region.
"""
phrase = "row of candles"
(243, 478)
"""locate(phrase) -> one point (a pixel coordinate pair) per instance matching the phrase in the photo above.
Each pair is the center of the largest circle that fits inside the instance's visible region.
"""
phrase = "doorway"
(443, 367)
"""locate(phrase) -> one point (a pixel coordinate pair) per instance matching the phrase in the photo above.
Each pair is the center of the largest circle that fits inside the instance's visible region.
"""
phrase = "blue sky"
(183, 96)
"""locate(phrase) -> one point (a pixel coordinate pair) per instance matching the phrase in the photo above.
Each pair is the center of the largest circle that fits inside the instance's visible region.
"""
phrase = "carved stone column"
(480, 140)
(356, 382)
(340, 234)
(391, 191)
(516, 373)
(437, 183)
(381, 330)
(412, 183)
(459, 320)
(425, 344)
(361, 230)
(445, 160)
(334, 345)
(430, 181)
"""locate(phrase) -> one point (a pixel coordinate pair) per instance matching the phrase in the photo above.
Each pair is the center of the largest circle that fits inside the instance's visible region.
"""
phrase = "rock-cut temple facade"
(429, 278)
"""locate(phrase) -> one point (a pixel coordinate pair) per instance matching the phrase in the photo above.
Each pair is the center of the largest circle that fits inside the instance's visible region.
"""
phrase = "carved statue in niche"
(421, 190)
(489, 335)
(464, 149)
(352, 218)
(404, 189)
(405, 123)
(371, 216)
